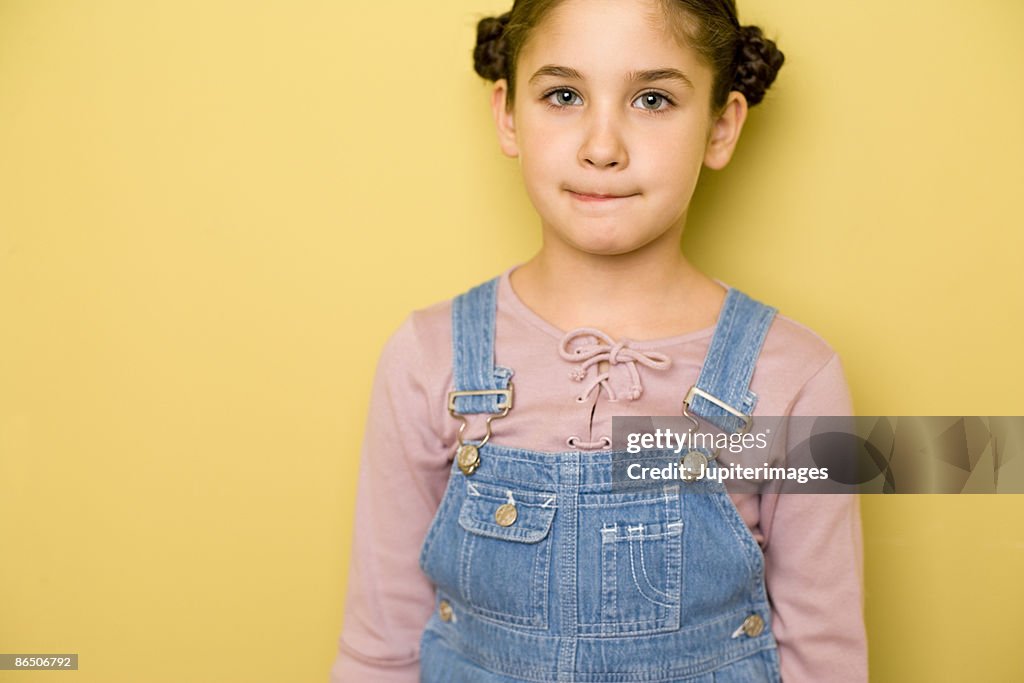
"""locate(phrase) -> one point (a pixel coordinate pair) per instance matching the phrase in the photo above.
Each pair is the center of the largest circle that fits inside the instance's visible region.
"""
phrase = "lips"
(588, 196)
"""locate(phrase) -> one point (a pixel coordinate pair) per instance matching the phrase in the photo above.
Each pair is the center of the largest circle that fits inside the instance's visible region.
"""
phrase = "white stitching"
(647, 578)
(636, 581)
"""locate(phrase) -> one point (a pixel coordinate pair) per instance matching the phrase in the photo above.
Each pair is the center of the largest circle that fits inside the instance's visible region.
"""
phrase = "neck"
(648, 293)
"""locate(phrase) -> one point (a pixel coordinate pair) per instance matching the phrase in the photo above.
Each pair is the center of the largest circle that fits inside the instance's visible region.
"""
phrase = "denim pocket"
(640, 576)
(631, 557)
(505, 554)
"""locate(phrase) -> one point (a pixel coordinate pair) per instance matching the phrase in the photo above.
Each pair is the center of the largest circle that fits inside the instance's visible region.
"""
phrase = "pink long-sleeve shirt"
(812, 543)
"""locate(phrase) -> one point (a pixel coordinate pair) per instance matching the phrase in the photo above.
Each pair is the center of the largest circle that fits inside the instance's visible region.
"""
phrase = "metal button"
(468, 458)
(753, 625)
(506, 514)
(694, 464)
(445, 610)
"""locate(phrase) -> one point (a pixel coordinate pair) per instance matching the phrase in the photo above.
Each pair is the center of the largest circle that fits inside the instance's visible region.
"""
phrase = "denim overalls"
(545, 573)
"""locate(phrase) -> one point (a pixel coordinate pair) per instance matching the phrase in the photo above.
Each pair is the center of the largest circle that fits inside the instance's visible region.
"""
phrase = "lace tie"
(614, 352)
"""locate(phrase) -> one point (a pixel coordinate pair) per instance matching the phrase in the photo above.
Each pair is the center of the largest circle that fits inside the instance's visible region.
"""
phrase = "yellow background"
(213, 213)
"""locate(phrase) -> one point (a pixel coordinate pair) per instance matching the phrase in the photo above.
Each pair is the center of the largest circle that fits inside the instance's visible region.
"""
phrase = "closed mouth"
(597, 196)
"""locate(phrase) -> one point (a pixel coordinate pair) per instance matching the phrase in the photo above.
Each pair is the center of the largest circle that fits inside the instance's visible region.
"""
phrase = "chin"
(611, 235)
(611, 246)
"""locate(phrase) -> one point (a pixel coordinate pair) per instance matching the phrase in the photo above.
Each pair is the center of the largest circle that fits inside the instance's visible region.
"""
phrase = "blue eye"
(652, 101)
(563, 97)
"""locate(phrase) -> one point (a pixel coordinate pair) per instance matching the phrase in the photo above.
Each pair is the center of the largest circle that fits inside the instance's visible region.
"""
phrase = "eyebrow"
(645, 76)
(661, 75)
(556, 72)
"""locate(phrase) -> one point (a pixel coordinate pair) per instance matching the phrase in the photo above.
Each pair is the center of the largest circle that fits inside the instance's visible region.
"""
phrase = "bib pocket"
(504, 556)
(631, 565)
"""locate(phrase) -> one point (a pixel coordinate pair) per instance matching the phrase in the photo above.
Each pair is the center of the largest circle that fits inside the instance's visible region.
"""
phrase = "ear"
(725, 131)
(504, 120)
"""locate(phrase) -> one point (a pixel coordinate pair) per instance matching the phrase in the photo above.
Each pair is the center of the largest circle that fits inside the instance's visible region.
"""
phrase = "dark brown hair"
(741, 57)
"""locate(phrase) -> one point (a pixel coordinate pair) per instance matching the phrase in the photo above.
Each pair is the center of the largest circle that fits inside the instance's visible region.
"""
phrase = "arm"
(402, 475)
(814, 562)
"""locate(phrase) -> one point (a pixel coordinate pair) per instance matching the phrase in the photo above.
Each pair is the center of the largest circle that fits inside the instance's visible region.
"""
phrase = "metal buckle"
(694, 391)
(506, 406)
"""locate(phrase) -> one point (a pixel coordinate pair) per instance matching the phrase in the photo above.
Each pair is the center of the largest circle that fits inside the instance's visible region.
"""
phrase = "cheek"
(542, 160)
(678, 163)
(535, 167)
(540, 180)
(547, 142)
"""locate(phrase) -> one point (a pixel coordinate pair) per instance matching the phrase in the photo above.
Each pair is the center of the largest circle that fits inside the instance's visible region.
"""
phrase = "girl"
(489, 544)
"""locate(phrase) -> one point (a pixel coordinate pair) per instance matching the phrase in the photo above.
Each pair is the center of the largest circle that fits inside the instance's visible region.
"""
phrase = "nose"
(603, 145)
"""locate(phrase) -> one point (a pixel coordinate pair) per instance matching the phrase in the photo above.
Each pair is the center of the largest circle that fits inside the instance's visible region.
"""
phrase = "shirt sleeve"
(402, 475)
(814, 562)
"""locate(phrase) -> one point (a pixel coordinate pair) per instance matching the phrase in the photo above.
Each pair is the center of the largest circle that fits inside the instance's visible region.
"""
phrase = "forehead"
(610, 38)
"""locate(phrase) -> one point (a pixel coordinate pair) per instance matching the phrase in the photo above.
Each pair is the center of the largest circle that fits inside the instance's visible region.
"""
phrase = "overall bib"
(544, 572)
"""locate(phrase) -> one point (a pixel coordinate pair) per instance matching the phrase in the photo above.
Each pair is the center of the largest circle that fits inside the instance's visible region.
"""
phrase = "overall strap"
(473, 368)
(722, 394)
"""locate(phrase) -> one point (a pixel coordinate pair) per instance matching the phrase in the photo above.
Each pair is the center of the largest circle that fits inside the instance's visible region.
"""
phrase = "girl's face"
(612, 123)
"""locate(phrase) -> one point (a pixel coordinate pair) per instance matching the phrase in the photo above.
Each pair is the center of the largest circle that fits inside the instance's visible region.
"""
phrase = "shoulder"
(799, 370)
(796, 345)
(426, 333)
(414, 369)
(424, 336)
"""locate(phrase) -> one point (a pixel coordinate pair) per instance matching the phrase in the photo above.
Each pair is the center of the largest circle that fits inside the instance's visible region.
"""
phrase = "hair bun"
(490, 58)
(758, 61)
